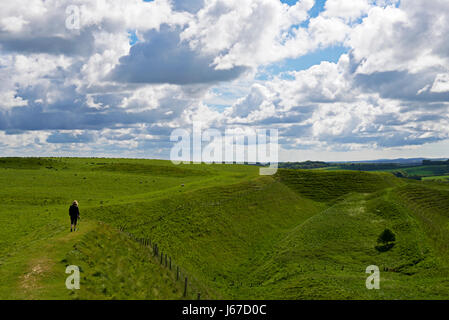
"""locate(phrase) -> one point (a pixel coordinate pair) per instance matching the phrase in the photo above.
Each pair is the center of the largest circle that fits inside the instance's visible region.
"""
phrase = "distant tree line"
(369, 166)
(304, 165)
(341, 166)
(435, 163)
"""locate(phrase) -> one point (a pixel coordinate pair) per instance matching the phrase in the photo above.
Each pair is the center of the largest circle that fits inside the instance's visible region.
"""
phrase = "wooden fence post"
(162, 256)
(185, 288)
(170, 263)
(199, 296)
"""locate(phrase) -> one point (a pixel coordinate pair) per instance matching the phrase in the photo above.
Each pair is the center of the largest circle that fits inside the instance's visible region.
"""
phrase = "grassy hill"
(301, 234)
(417, 170)
(327, 186)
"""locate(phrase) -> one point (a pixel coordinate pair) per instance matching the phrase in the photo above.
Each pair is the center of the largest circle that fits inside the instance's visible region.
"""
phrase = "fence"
(192, 287)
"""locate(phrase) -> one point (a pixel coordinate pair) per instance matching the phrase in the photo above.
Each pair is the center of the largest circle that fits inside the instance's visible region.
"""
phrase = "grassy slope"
(300, 234)
(329, 186)
(430, 204)
(117, 267)
(437, 178)
(326, 257)
(218, 234)
(437, 170)
(35, 197)
(432, 172)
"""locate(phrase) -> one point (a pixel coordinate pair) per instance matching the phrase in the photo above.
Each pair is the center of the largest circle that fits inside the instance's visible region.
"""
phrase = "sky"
(340, 80)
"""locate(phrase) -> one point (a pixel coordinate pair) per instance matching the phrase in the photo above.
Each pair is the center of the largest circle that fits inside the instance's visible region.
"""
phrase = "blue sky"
(99, 90)
(330, 54)
(316, 9)
(133, 37)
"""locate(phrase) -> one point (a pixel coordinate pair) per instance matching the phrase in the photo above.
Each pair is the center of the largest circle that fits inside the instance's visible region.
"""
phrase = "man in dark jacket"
(74, 213)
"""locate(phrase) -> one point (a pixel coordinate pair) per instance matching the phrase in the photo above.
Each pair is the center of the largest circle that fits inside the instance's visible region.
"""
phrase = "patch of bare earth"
(30, 281)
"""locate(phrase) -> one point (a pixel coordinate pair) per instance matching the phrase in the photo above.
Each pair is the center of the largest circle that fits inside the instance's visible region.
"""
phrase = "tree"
(385, 240)
(386, 236)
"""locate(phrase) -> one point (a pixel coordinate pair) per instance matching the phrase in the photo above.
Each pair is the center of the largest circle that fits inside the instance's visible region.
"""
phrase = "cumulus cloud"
(257, 103)
(163, 58)
(386, 92)
(441, 83)
(246, 32)
(92, 90)
(407, 37)
(70, 137)
(189, 6)
(347, 10)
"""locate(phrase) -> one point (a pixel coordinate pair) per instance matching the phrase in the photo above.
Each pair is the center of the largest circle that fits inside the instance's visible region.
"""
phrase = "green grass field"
(427, 171)
(301, 234)
(437, 178)
(424, 172)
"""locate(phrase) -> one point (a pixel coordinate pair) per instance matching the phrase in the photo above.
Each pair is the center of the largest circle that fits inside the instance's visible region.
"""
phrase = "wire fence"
(192, 288)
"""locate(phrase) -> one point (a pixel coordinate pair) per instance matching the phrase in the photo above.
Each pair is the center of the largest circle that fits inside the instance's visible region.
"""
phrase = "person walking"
(74, 213)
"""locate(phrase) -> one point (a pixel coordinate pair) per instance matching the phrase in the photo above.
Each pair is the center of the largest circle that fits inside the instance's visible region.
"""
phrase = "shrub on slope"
(326, 257)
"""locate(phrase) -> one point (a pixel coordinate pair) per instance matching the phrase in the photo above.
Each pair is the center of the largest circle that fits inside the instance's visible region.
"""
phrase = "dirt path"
(43, 264)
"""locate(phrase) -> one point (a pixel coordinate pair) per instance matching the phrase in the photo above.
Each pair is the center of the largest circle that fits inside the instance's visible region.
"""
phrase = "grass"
(437, 178)
(301, 234)
(113, 266)
(423, 171)
(329, 186)
(432, 172)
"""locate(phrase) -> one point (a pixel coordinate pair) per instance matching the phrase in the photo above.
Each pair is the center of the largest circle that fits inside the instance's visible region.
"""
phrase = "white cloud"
(9, 99)
(441, 83)
(347, 10)
(409, 37)
(245, 32)
(92, 88)
(13, 24)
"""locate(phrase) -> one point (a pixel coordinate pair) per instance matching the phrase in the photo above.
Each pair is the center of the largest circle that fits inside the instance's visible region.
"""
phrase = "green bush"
(386, 236)
(385, 240)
